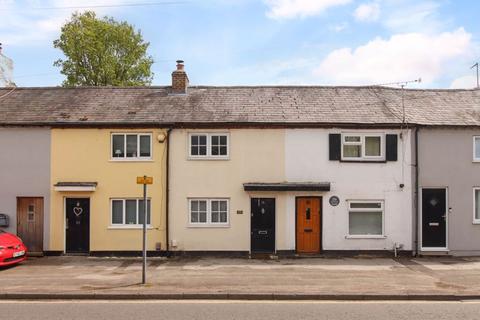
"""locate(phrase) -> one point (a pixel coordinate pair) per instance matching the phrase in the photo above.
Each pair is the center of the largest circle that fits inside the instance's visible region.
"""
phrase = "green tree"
(102, 52)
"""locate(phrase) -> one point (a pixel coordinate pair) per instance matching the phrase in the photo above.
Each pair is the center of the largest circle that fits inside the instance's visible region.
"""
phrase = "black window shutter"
(335, 146)
(392, 147)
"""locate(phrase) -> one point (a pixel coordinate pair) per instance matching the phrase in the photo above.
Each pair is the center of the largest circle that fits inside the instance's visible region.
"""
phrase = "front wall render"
(279, 155)
(307, 159)
(24, 171)
(84, 155)
(446, 161)
(255, 155)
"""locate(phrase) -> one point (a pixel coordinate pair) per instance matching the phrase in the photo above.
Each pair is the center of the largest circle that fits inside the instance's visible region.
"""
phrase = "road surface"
(224, 310)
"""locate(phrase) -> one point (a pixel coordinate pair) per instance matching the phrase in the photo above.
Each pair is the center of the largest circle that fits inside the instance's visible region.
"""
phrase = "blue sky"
(268, 42)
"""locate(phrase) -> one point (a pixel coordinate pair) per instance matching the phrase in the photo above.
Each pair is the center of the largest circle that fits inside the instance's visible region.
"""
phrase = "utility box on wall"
(3, 220)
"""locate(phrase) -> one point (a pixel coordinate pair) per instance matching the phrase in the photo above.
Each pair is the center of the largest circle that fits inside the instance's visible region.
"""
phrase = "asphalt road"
(224, 310)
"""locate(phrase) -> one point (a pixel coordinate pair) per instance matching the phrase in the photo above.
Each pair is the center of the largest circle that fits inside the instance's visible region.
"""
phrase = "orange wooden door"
(308, 225)
(30, 223)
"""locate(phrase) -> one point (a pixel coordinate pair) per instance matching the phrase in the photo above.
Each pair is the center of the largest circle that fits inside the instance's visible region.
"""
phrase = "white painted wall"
(306, 159)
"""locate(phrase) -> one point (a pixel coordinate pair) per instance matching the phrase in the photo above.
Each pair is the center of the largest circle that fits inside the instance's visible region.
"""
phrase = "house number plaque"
(334, 201)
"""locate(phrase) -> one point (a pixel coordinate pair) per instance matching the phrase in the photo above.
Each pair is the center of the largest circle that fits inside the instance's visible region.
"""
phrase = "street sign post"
(144, 180)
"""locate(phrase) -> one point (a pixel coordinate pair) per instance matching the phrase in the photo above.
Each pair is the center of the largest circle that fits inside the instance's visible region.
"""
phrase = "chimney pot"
(179, 79)
(180, 65)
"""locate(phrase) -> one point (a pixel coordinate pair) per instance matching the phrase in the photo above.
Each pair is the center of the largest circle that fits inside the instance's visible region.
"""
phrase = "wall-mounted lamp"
(162, 137)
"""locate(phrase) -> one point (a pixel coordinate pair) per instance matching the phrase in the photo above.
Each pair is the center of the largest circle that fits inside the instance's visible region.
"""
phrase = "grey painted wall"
(446, 160)
(24, 171)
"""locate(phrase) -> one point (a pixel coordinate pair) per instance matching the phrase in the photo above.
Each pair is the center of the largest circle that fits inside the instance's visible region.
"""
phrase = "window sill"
(208, 226)
(363, 161)
(365, 237)
(131, 160)
(476, 222)
(129, 227)
(208, 158)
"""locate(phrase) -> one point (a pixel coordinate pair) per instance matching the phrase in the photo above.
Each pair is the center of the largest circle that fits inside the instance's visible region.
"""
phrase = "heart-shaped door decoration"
(78, 211)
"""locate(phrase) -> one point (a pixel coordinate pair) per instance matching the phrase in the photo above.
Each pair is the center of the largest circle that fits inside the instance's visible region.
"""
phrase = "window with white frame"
(363, 147)
(365, 218)
(129, 211)
(476, 205)
(476, 148)
(131, 146)
(208, 145)
(208, 212)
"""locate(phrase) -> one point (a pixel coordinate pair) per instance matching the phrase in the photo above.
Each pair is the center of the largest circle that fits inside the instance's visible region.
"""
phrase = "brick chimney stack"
(179, 79)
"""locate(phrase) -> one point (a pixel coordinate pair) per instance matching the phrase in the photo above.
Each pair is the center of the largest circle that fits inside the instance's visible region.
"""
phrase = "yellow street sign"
(145, 180)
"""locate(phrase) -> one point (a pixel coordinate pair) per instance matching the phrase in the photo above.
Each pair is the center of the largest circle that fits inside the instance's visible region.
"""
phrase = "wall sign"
(334, 201)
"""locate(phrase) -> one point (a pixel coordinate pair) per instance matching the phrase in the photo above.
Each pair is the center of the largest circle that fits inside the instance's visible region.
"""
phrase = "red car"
(12, 249)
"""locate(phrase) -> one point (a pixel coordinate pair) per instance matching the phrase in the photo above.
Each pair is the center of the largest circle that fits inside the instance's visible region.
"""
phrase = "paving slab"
(236, 278)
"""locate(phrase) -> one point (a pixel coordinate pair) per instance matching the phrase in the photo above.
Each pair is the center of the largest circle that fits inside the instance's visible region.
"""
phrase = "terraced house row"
(283, 170)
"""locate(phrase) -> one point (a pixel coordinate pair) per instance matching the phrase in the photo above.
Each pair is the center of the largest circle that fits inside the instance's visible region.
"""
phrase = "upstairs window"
(131, 146)
(208, 145)
(363, 147)
(476, 148)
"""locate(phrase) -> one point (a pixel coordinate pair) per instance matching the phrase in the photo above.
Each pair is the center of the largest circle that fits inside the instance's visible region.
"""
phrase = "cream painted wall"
(306, 154)
(83, 155)
(256, 155)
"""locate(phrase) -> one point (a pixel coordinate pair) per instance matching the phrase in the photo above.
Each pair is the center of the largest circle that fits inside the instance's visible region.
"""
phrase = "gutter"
(167, 192)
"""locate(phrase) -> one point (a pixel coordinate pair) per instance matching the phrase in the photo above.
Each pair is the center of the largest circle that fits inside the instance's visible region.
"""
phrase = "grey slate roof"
(241, 105)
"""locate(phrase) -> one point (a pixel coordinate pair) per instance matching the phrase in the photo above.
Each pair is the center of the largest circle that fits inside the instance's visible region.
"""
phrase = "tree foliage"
(102, 52)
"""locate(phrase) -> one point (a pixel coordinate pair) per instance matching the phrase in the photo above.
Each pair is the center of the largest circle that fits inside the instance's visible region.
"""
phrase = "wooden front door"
(30, 223)
(309, 213)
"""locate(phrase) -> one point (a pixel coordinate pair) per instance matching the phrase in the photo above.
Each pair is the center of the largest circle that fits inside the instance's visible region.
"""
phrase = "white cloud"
(367, 12)
(413, 16)
(28, 23)
(338, 27)
(465, 82)
(399, 58)
(289, 9)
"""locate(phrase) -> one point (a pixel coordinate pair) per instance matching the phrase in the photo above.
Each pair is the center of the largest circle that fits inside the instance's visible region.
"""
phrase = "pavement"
(439, 278)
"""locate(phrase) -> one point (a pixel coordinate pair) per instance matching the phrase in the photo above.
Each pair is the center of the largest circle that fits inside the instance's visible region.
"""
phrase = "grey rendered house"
(449, 174)
(25, 184)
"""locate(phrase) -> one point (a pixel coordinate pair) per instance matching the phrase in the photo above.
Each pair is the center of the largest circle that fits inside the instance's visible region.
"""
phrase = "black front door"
(78, 225)
(434, 218)
(263, 225)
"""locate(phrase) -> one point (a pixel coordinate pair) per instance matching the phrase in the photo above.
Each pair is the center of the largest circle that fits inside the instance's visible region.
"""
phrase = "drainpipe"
(417, 169)
(167, 192)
